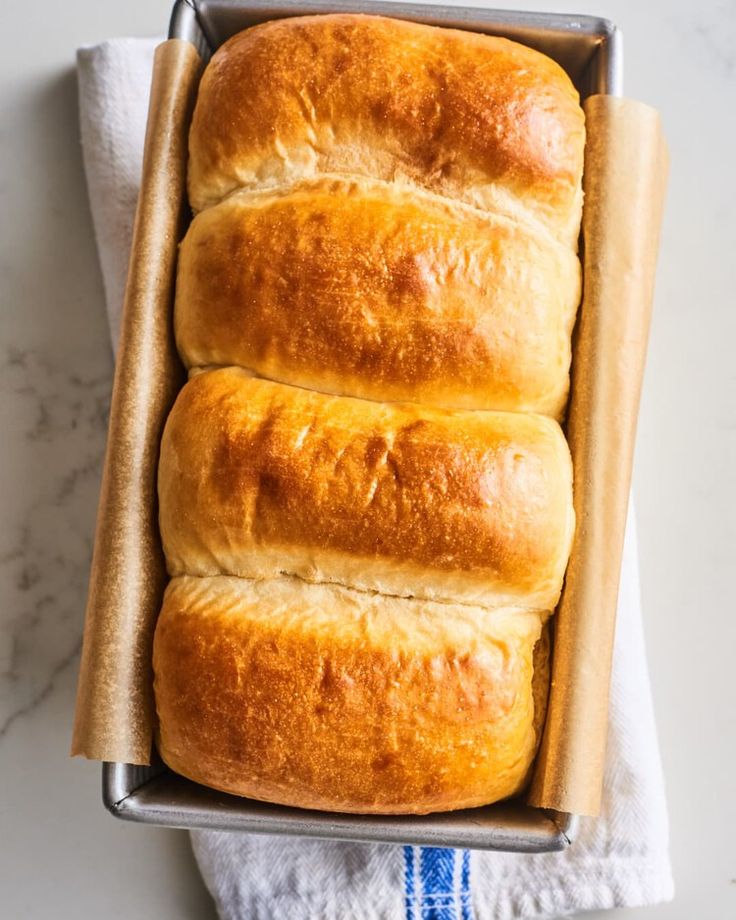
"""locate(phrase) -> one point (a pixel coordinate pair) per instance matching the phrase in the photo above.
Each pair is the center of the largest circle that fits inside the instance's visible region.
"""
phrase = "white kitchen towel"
(619, 859)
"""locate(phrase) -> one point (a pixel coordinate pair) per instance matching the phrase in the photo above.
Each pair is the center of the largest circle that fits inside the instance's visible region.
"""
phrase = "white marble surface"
(61, 855)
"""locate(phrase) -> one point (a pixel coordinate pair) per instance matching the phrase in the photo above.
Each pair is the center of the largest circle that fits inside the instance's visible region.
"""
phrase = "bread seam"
(523, 218)
(196, 369)
(520, 608)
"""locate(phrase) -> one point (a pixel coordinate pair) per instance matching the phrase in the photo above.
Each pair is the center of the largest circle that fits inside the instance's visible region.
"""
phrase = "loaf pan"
(589, 49)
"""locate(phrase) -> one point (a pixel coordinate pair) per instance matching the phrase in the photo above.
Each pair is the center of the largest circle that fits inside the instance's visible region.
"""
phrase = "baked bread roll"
(367, 289)
(472, 117)
(317, 696)
(258, 479)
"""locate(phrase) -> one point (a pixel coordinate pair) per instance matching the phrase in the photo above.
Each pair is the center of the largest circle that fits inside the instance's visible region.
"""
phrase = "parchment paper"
(114, 713)
(624, 182)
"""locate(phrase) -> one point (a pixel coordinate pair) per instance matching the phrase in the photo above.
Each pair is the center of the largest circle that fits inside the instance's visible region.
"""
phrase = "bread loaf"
(365, 494)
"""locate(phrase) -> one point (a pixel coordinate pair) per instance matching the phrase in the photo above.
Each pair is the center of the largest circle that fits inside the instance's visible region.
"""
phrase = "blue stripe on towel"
(430, 891)
(409, 890)
(437, 871)
(465, 908)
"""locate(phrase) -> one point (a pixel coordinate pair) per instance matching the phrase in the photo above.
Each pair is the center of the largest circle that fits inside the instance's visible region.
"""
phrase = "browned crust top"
(248, 466)
(362, 289)
(319, 697)
(443, 107)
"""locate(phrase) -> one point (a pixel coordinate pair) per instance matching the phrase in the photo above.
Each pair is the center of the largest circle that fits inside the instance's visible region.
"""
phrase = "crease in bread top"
(321, 697)
(257, 479)
(366, 289)
(472, 117)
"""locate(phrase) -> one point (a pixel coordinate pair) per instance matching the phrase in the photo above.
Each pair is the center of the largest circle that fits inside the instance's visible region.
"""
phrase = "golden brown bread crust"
(470, 116)
(257, 478)
(363, 289)
(317, 696)
(405, 223)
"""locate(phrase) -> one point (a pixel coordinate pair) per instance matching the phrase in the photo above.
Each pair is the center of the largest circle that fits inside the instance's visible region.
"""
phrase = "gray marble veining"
(59, 416)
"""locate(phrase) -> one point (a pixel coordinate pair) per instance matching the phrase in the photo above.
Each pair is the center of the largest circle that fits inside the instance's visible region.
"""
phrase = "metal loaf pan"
(590, 51)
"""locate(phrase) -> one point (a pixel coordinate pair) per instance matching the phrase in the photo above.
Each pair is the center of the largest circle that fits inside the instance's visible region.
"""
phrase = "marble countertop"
(61, 854)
